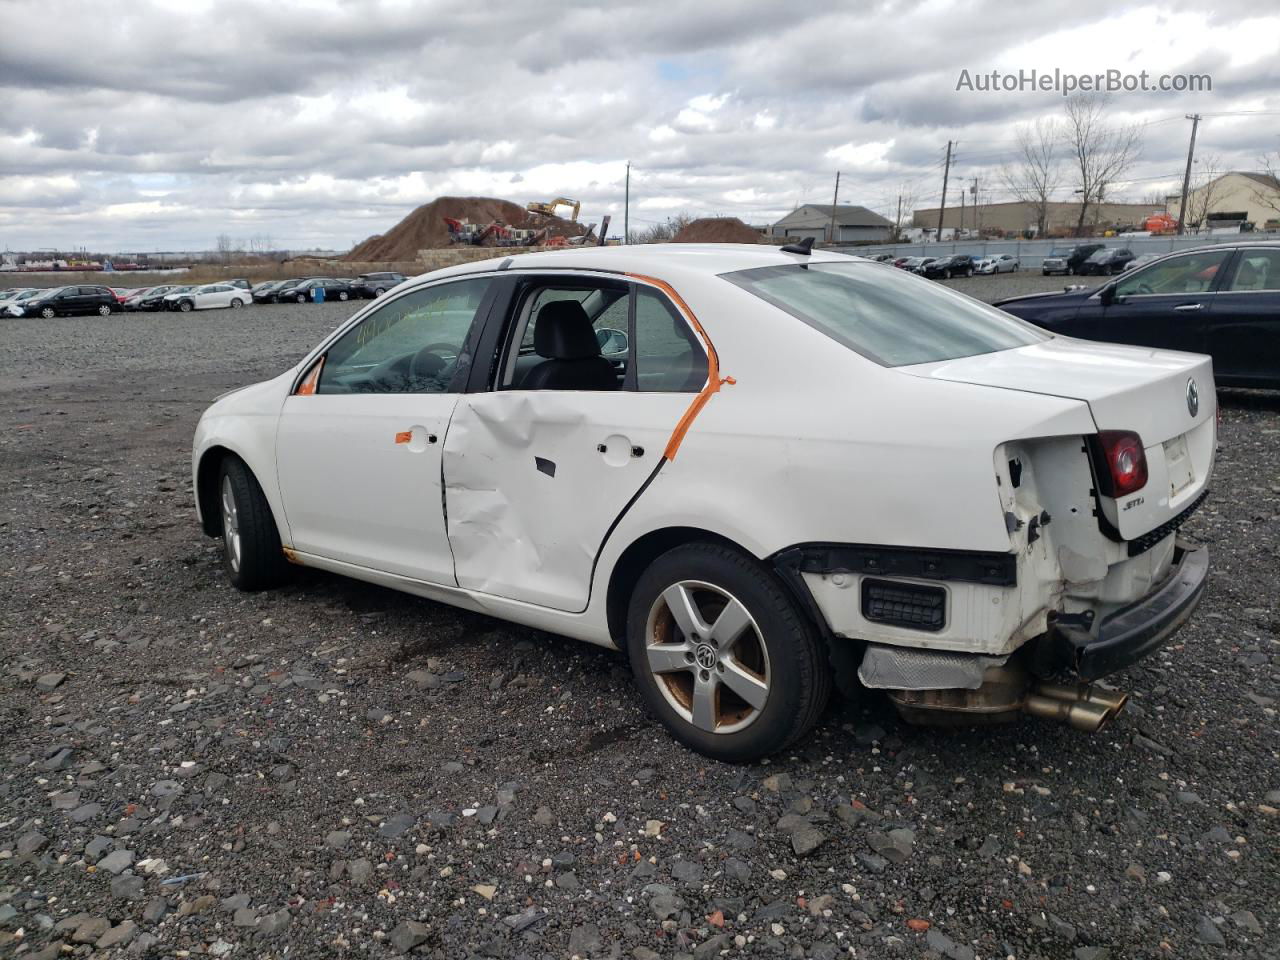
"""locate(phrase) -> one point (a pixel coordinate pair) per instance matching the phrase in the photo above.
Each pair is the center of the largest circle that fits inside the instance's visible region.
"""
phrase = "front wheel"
(48, 313)
(301, 298)
(343, 295)
(722, 655)
(251, 551)
(186, 306)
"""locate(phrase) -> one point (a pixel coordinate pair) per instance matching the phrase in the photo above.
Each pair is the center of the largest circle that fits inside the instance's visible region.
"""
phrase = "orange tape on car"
(309, 383)
(404, 436)
(714, 380)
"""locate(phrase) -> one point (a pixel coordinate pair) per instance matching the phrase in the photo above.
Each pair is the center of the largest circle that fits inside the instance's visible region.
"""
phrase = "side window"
(1190, 273)
(605, 306)
(668, 355)
(1257, 270)
(413, 344)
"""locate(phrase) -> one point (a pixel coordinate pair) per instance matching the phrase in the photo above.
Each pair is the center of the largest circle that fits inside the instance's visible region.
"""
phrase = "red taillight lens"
(1124, 460)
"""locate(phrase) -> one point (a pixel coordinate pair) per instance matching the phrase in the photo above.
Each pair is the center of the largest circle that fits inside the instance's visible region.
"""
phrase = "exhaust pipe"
(1081, 707)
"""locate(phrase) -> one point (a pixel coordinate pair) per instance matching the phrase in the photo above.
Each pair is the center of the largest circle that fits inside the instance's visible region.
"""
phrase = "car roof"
(662, 260)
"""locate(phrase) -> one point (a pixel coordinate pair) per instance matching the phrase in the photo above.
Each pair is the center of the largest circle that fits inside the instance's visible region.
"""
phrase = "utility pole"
(626, 209)
(977, 210)
(960, 229)
(1186, 177)
(942, 207)
(897, 224)
(831, 231)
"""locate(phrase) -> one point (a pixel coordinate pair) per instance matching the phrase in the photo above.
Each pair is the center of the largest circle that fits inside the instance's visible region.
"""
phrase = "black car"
(68, 302)
(1221, 300)
(956, 265)
(153, 299)
(263, 292)
(1107, 261)
(370, 285)
(305, 290)
(1068, 259)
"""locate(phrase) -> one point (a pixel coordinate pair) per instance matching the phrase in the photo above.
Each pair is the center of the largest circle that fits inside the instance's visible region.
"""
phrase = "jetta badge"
(1193, 397)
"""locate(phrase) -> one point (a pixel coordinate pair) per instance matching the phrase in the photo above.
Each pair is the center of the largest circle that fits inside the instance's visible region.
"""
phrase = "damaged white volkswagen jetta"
(758, 471)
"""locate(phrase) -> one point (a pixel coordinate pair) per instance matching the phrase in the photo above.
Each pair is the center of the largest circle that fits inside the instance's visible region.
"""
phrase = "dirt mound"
(425, 228)
(717, 230)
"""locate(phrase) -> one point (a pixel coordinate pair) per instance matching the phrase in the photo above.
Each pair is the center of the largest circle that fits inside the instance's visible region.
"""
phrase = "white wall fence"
(1031, 252)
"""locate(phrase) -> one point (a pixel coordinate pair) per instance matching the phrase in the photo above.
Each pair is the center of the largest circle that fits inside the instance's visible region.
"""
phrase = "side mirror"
(612, 341)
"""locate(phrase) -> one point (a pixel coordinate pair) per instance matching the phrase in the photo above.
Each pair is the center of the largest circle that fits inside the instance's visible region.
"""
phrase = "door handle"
(1188, 307)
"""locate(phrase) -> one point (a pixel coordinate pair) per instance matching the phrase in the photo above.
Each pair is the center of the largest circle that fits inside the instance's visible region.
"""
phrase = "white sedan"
(211, 296)
(755, 470)
(1000, 263)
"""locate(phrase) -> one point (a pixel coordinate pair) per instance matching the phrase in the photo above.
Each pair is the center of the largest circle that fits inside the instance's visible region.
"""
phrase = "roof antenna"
(805, 246)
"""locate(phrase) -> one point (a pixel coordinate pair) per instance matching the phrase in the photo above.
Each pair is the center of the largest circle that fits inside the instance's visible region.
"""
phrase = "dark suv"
(1069, 259)
(1106, 261)
(370, 285)
(68, 302)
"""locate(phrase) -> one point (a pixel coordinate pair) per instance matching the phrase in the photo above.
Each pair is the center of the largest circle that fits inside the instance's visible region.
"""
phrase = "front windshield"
(888, 316)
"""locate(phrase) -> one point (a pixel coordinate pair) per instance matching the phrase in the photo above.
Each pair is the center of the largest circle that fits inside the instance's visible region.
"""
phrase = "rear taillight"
(1123, 466)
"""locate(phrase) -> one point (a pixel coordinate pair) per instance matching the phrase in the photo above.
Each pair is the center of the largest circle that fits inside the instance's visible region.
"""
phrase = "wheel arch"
(635, 559)
(207, 470)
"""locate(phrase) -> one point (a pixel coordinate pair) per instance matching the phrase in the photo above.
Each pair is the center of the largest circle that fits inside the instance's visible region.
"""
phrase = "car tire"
(186, 306)
(343, 295)
(104, 310)
(48, 313)
(377, 292)
(236, 303)
(251, 550)
(774, 668)
(301, 298)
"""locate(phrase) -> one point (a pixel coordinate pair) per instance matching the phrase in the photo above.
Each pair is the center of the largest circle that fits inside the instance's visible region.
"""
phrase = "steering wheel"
(427, 363)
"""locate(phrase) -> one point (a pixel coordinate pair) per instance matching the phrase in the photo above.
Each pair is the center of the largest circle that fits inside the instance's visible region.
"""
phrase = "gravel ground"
(337, 770)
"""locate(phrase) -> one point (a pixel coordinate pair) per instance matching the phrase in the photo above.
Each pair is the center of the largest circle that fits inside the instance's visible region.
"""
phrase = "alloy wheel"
(708, 657)
(230, 525)
(104, 311)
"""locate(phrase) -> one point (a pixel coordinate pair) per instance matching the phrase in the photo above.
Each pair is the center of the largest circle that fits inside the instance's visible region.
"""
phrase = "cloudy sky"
(151, 125)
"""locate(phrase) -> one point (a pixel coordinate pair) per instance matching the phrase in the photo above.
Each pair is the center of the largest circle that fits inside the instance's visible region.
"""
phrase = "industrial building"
(1233, 198)
(853, 224)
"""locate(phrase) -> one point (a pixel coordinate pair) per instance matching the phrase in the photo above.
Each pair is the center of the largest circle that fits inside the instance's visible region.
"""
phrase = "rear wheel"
(236, 303)
(251, 551)
(722, 655)
(104, 310)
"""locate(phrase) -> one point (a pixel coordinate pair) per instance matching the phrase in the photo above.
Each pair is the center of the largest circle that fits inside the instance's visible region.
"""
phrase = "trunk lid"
(1127, 388)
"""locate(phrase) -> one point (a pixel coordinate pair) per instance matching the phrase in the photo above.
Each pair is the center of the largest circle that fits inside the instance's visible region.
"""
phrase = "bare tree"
(1269, 196)
(224, 247)
(1037, 172)
(1100, 153)
(662, 232)
(902, 213)
(1205, 189)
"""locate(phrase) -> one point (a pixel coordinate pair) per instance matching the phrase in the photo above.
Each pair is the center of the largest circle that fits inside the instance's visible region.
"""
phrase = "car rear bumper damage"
(1051, 675)
(1128, 635)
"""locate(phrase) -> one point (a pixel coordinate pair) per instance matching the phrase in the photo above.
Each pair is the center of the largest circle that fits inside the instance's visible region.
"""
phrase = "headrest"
(564, 332)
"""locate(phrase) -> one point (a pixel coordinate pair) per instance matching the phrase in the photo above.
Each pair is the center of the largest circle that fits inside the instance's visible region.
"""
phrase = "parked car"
(153, 298)
(944, 268)
(1107, 261)
(261, 292)
(997, 263)
(917, 264)
(17, 295)
(901, 262)
(122, 293)
(1143, 260)
(284, 292)
(705, 502)
(68, 301)
(210, 296)
(1222, 300)
(304, 291)
(1068, 259)
(369, 285)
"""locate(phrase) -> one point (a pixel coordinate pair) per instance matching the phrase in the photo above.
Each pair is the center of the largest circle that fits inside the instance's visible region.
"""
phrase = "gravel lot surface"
(337, 770)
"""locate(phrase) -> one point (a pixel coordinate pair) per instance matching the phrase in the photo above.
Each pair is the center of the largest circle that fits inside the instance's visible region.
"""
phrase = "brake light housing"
(1121, 463)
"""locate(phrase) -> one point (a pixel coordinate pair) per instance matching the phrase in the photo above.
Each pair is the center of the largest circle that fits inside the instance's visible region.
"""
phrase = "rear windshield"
(884, 314)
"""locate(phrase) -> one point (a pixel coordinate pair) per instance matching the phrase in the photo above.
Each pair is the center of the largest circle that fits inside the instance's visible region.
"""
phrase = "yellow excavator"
(549, 209)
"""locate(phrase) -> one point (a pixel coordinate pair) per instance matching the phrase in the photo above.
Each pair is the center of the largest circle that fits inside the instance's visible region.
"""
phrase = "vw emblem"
(705, 654)
(1193, 397)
